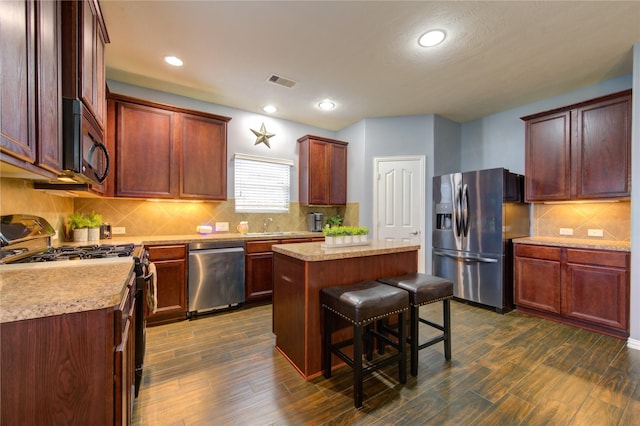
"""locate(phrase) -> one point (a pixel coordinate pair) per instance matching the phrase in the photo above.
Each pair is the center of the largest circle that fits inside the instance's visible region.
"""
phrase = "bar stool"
(424, 289)
(361, 304)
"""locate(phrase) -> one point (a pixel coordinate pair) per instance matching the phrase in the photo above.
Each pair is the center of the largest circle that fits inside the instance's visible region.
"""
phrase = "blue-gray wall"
(634, 339)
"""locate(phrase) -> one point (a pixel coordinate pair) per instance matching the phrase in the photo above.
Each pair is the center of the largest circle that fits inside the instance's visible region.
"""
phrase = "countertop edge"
(623, 246)
(313, 252)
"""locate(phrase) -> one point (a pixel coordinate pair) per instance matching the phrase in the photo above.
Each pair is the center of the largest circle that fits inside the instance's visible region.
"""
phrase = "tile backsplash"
(18, 196)
(613, 218)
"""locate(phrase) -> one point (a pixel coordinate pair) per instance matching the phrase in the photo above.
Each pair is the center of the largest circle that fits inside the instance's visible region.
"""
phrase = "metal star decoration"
(263, 136)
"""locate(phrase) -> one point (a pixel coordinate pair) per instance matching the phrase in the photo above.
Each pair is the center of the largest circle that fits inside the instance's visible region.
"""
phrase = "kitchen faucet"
(266, 224)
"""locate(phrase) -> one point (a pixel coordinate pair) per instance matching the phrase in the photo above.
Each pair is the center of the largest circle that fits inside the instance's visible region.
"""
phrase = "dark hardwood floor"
(505, 370)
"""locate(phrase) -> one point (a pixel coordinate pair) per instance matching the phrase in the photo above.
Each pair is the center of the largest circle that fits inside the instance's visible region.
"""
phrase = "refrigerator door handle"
(477, 259)
(465, 210)
(457, 217)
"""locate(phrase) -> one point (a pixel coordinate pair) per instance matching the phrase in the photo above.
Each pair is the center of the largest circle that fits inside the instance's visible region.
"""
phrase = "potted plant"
(361, 232)
(79, 224)
(95, 221)
(348, 234)
(329, 235)
(334, 221)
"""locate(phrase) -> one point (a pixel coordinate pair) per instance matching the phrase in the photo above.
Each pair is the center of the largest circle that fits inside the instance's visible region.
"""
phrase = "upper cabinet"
(166, 152)
(84, 36)
(30, 123)
(323, 171)
(580, 152)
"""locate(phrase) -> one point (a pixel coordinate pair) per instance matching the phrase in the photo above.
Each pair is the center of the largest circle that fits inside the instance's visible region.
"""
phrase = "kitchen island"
(300, 271)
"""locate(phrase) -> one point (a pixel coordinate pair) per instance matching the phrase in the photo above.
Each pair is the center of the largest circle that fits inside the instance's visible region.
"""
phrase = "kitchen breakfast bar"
(301, 270)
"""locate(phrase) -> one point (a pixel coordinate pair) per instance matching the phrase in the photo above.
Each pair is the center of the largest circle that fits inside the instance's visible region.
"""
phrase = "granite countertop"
(34, 290)
(576, 243)
(314, 252)
(197, 238)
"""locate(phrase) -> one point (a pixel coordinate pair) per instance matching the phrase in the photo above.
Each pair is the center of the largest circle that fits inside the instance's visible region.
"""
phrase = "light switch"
(566, 231)
(116, 230)
(222, 226)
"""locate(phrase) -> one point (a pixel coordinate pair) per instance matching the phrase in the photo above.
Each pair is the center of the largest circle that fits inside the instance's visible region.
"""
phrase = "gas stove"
(93, 251)
(27, 239)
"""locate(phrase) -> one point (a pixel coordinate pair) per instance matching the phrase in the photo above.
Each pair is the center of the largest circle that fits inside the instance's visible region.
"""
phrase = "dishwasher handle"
(216, 251)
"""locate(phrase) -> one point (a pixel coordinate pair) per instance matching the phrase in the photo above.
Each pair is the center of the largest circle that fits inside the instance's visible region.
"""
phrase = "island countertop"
(316, 252)
(54, 288)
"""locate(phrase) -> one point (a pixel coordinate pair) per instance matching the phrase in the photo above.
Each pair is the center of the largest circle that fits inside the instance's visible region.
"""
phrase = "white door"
(399, 201)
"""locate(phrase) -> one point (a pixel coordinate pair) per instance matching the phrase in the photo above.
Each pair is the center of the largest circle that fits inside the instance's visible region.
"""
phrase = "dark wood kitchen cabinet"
(581, 287)
(171, 267)
(30, 123)
(259, 267)
(323, 171)
(75, 368)
(167, 152)
(84, 37)
(580, 152)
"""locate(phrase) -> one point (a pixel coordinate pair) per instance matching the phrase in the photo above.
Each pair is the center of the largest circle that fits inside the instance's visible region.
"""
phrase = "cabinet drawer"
(538, 252)
(296, 240)
(157, 253)
(260, 246)
(599, 258)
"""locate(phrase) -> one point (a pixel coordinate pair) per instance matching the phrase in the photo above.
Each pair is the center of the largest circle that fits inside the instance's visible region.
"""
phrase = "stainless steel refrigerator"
(476, 215)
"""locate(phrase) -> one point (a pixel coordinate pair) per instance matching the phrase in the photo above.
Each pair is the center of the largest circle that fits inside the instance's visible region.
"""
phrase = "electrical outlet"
(595, 232)
(222, 226)
(118, 230)
(566, 231)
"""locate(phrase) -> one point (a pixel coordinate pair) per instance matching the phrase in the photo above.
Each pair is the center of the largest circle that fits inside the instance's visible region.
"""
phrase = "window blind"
(261, 184)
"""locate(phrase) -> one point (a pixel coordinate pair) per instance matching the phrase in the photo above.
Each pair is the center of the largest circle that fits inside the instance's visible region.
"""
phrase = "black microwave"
(85, 158)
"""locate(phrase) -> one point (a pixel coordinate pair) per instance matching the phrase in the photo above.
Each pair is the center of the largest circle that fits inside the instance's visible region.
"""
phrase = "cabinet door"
(171, 269)
(17, 91)
(259, 276)
(599, 295)
(537, 279)
(338, 180)
(49, 86)
(146, 156)
(92, 60)
(548, 158)
(203, 144)
(601, 152)
(319, 172)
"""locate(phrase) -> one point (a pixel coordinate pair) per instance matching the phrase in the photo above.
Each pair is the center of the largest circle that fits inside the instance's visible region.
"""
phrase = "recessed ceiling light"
(173, 60)
(327, 105)
(431, 38)
(270, 109)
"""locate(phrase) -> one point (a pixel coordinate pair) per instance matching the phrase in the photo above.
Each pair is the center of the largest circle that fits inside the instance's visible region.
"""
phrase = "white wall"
(240, 139)
(634, 338)
(498, 140)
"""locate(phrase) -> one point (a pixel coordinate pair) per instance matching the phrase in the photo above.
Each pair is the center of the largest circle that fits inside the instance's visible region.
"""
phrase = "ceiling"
(364, 54)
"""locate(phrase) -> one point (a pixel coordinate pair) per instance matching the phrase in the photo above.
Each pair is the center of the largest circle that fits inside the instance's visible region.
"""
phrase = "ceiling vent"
(281, 81)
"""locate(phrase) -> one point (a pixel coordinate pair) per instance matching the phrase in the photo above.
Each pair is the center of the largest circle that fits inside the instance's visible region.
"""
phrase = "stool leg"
(402, 344)
(413, 337)
(326, 344)
(446, 309)
(368, 341)
(357, 366)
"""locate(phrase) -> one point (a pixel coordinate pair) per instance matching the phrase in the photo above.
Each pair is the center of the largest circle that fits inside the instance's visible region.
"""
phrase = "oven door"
(146, 278)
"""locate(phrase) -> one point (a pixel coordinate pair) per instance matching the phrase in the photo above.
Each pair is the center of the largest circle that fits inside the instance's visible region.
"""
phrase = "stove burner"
(93, 251)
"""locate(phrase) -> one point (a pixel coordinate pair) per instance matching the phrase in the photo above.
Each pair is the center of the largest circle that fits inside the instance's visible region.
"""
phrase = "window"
(261, 184)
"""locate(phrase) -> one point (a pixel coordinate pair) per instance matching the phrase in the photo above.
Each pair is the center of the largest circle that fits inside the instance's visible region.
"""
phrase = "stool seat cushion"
(422, 288)
(364, 301)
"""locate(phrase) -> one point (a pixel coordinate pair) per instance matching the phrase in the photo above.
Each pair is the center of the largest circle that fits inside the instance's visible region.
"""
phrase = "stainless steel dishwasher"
(216, 276)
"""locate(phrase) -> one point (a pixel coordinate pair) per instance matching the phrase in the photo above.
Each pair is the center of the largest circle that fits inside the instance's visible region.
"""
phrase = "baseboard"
(633, 344)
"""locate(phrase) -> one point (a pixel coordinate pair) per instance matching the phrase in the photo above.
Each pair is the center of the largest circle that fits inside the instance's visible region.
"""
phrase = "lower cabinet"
(581, 287)
(171, 268)
(71, 369)
(259, 267)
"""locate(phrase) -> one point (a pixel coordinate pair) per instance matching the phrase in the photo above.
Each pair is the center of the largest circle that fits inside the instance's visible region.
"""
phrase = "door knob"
(415, 233)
